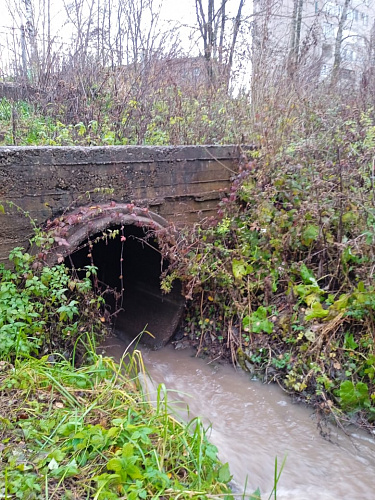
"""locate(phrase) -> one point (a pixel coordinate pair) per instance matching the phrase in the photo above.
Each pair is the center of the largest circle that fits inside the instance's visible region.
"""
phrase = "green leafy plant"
(286, 267)
(353, 396)
(92, 431)
(258, 321)
(43, 309)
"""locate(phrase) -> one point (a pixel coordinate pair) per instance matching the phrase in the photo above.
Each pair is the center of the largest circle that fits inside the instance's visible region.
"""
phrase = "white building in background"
(357, 36)
(309, 30)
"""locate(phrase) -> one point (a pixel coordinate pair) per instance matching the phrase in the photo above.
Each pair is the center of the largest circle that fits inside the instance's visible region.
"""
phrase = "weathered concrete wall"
(182, 184)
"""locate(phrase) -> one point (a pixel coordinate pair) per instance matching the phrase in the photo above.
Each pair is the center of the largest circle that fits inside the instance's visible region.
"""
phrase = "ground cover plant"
(283, 281)
(88, 433)
(43, 309)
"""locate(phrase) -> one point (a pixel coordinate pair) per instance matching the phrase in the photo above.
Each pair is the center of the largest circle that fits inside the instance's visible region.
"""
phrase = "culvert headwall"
(120, 241)
(182, 184)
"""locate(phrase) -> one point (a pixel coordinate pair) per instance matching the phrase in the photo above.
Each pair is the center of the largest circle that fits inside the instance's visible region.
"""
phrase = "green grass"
(91, 433)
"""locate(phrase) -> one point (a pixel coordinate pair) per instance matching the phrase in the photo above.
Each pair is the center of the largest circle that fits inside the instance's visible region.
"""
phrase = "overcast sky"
(180, 11)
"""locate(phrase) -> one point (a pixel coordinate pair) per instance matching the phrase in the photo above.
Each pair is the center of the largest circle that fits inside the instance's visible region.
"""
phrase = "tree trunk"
(295, 37)
(236, 28)
(298, 29)
(212, 24)
(338, 43)
(222, 30)
(31, 35)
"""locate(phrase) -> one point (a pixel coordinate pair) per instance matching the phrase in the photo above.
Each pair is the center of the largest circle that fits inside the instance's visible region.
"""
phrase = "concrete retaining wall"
(182, 184)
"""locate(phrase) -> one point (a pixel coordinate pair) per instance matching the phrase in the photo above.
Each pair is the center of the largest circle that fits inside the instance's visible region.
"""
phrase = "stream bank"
(283, 278)
(251, 423)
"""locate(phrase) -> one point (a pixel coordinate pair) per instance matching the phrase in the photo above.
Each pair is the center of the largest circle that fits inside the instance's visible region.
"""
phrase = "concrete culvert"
(131, 263)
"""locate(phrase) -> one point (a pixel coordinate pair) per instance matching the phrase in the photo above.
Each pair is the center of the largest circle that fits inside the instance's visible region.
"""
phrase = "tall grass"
(90, 431)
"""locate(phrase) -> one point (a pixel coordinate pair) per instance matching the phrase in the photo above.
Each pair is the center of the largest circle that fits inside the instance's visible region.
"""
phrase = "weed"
(45, 309)
(288, 264)
(90, 431)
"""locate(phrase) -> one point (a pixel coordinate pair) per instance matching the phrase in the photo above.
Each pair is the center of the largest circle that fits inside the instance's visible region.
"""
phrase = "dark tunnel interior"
(143, 305)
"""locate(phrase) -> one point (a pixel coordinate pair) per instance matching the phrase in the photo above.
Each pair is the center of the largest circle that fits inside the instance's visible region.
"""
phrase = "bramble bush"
(285, 276)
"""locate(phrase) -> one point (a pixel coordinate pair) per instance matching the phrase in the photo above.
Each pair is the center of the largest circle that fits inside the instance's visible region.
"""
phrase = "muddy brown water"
(252, 423)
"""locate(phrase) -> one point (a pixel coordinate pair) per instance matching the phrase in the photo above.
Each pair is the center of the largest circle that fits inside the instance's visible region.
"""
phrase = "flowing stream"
(252, 423)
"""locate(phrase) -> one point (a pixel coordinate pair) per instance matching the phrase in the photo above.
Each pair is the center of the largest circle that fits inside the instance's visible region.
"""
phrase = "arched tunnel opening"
(129, 265)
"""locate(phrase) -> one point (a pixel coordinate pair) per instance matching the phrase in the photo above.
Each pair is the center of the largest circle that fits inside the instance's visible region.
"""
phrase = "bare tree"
(31, 34)
(23, 15)
(33, 39)
(236, 28)
(212, 23)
